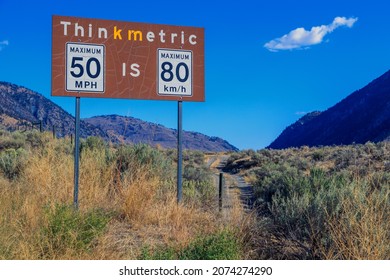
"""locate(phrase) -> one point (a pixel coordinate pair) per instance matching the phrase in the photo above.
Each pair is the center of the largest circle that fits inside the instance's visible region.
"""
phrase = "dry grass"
(362, 230)
(157, 217)
(142, 208)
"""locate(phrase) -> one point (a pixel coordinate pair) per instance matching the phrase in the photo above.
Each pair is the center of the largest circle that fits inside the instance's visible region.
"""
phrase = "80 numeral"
(167, 74)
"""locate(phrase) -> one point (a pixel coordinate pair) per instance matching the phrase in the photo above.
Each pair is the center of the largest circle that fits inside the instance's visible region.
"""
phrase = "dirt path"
(235, 188)
(245, 192)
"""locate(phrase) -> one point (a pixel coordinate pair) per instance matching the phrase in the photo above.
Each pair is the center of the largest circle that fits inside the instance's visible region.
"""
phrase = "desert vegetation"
(311, 203)
(127, 203)
(320, 203)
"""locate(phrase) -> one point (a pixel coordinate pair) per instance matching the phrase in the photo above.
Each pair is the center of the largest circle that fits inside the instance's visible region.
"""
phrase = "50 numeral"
(80, 67)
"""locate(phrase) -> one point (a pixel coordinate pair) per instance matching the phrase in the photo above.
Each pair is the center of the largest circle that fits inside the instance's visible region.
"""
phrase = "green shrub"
(129, 159)
(198, 183)
(219, 246)
(159, 253)
(193, 157)
(99, 148)
(318, 155)
(12, 162)
(63, 146)
(222, 245)
(13, 140)
(36, 139)
(92, 143)
(271, 179)
(69, 229)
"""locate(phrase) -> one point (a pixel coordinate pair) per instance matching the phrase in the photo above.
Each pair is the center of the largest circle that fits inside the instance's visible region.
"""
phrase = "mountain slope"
(131, 130)
(23, 105)
(362, 116)
(19, 105)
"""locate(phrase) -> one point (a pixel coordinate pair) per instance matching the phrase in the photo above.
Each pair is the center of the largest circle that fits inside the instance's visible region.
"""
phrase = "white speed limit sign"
(85, 67)
(174, 72)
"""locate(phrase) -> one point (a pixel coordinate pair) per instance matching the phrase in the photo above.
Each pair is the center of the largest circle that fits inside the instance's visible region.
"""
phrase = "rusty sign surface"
(115, 59)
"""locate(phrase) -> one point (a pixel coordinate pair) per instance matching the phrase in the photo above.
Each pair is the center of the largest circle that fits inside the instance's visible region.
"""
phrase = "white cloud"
(3, 44)
(301, 38)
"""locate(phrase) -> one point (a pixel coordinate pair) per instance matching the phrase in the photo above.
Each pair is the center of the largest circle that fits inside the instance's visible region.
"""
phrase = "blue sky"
(257, 81)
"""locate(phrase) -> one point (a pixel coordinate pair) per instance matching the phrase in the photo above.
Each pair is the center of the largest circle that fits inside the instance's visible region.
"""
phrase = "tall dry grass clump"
(361, 231)
(154, 211)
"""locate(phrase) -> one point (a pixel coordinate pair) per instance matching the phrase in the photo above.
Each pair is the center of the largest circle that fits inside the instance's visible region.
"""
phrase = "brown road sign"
(115, 59)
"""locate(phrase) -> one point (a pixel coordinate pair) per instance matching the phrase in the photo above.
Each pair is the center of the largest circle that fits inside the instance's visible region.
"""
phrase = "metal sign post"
(220, 191)
(76, 155)
(179, 152)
